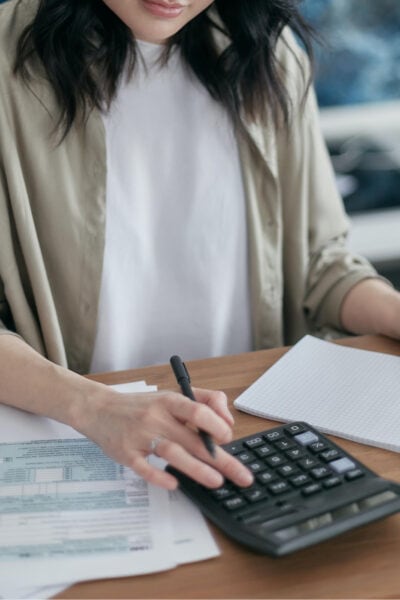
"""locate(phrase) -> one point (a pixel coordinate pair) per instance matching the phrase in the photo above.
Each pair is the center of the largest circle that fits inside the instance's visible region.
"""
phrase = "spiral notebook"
(350, 393)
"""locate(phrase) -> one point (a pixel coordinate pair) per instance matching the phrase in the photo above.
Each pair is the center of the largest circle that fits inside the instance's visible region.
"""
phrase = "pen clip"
(186, 372)
(179, 369)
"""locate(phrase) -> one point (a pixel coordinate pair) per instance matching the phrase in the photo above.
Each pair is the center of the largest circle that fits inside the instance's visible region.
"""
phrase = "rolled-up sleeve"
(332, 269)
(332, 273)
(320, 268)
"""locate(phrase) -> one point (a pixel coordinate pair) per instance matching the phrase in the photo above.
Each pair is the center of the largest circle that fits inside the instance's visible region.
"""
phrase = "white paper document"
(351, 393)
(65, 500)
(70, 513)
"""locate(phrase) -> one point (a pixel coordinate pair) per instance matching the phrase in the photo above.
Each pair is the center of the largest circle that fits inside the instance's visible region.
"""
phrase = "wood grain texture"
(360, 564)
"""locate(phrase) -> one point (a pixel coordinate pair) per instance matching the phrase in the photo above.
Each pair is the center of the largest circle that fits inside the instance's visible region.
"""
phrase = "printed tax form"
(70, 513)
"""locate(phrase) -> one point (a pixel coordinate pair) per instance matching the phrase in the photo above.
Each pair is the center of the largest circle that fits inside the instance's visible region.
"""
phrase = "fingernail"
(245, 478)
(215, 479)
(231, 419)
(228, 436)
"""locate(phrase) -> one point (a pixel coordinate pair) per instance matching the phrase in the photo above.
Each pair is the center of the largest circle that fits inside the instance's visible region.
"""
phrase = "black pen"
(183, 378)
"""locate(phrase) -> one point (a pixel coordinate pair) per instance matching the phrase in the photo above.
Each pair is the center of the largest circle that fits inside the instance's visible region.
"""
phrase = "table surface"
(363, 563)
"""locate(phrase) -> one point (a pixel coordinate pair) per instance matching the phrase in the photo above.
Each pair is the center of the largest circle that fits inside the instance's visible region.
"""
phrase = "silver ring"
(154, 443)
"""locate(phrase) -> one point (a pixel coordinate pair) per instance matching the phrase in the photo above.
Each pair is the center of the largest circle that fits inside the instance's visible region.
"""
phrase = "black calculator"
(306, 490)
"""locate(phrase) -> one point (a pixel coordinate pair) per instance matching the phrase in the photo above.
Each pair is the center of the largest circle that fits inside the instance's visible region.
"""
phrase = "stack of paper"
(69, 513)
(354, 394)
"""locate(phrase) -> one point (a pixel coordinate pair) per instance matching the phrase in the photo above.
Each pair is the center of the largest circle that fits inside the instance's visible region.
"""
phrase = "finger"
(232, 469)
(216, 400)
(178, 457)
(151, 474)
(225, 463)
(200, 416)
(188, 438)
(193, 447)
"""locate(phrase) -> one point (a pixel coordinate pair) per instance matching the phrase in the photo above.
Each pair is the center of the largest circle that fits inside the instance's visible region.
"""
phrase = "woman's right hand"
(126, 426)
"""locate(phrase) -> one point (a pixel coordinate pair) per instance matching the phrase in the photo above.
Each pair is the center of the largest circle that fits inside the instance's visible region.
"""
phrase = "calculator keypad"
(289, 460)
(305, 490)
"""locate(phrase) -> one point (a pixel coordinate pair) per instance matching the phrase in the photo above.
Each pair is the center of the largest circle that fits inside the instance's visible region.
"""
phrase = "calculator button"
(295, 429)
(313, 488)
(273, 436)
(245, 457)
(222, 493)
(299, 480)
(254, 442)
(320, 472)
(354, 474)
(255, 495)
(308, 463)
(287, 470)
(233, 448)
(295, 453)
(317, 447)
(284, 444)
(342, 465)
(265, 477)
(263, 451)
(275, 460)
(306, 438)
(234, 503)
(332, 482)
(256, 466)
(330, 454)
(279, 487)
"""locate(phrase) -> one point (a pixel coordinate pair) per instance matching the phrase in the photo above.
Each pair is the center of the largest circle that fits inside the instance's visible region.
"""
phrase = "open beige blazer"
(52, 217)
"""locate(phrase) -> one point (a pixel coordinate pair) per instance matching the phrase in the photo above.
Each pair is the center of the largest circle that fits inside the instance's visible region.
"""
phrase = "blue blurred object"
(358, 69)
(361, 62)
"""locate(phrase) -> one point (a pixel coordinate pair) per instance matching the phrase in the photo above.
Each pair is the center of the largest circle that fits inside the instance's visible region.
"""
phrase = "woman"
(164, 188)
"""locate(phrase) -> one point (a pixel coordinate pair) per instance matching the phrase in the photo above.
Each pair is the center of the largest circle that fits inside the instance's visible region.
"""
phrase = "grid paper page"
(354, 394)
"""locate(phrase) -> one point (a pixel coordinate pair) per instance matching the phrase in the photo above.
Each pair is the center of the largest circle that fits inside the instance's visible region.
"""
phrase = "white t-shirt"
(175, 274)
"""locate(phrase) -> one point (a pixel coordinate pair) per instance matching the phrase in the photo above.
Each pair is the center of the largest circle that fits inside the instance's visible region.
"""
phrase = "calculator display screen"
(334, 515)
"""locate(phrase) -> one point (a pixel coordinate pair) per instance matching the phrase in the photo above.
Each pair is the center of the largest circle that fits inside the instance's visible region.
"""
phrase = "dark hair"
(84, 48)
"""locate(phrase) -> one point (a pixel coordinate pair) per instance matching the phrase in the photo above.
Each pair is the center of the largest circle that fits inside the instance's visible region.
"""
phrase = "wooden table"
(361, 564)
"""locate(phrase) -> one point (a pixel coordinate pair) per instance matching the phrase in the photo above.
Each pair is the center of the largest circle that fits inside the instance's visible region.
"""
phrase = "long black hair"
(84, 48)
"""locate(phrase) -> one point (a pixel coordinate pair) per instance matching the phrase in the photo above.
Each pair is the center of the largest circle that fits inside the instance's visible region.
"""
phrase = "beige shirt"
(52, 217)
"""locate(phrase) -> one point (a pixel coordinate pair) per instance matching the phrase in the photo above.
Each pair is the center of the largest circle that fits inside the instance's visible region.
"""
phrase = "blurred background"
(358, 89)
